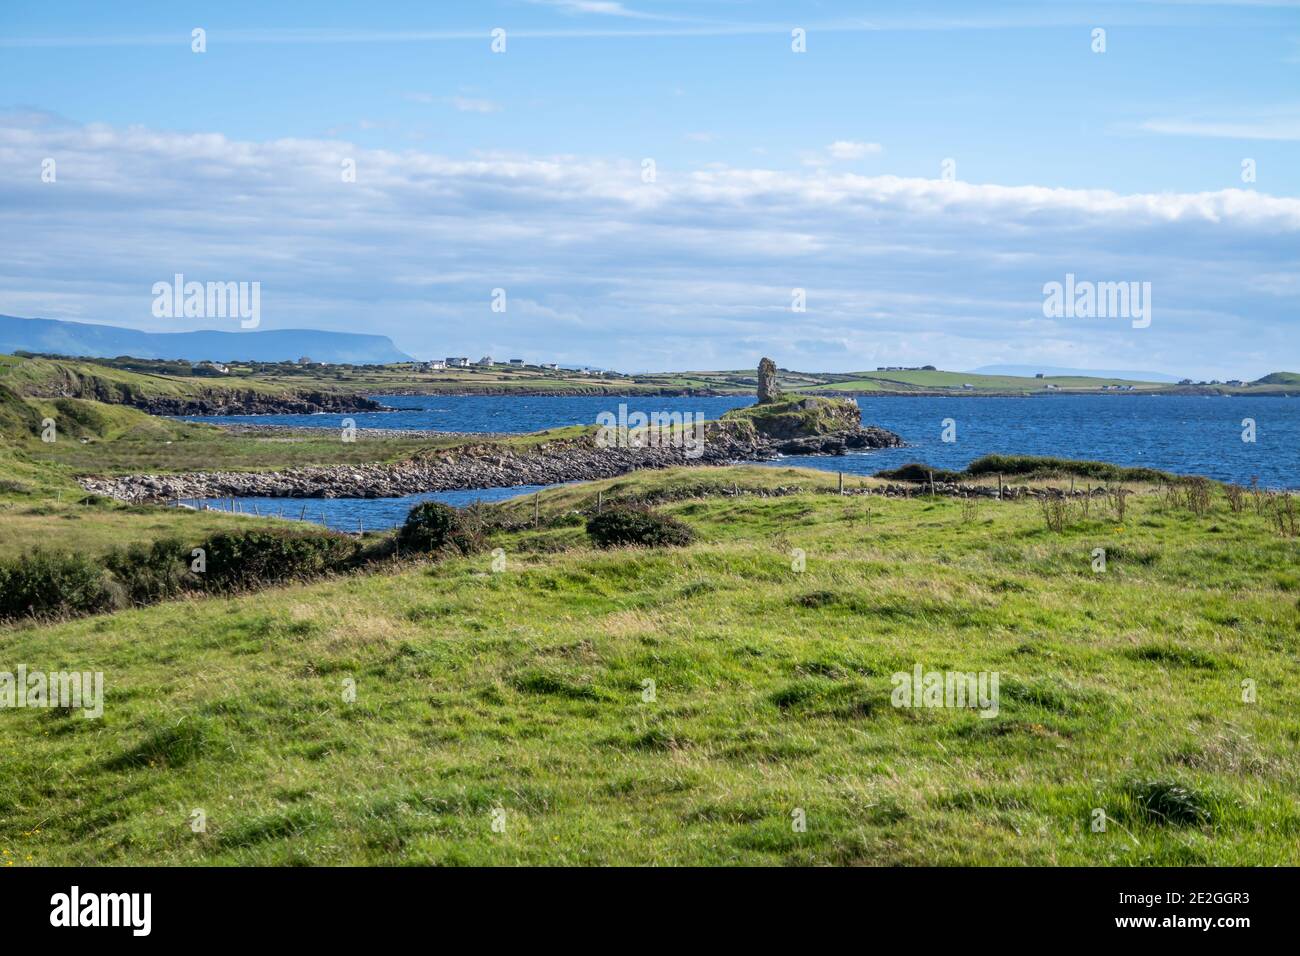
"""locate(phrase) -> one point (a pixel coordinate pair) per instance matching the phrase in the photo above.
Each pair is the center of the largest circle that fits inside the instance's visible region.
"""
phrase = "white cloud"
(1277, 128)
(471, 104)
(600, 7)
(693, 270)
(845, 149)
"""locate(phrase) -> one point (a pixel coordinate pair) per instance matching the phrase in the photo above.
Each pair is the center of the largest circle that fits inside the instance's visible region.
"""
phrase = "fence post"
(537, 509)
(600, 501)
(999, 486)
(841, 482)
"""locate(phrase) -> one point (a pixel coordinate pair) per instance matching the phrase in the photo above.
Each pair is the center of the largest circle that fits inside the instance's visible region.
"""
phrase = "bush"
(41, 584)
(1197, 495)
(151, 573)
(245, 559)
(433, 526)
(637, 526)
(916, 471)
(1033, 466)
(1030, 466)
(1056, 513)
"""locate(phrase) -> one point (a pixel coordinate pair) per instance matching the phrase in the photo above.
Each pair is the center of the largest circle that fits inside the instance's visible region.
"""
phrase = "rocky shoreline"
(242, 402)
(249, 428)
(204, 400)
(488, 465)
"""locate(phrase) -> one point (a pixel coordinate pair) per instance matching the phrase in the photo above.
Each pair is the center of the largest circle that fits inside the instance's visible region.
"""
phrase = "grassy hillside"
(526, 691)
(1281, 378)
(42, 506)
(96, 438)
(43, 377)
(929, 381)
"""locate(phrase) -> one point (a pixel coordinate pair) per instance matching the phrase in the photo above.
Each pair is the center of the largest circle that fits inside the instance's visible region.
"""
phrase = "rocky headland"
(247, 402)
(205, 401)
(801, 426)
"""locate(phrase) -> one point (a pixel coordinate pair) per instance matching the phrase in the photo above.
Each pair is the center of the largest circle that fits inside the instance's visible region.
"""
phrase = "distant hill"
(1280, 378)
(57, 337)
(1030, 371)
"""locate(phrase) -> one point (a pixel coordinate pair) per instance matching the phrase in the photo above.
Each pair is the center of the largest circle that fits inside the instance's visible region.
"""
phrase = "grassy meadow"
(506, 716)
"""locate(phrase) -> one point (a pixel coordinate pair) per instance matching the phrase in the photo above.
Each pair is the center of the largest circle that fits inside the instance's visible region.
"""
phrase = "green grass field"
(947, 381)
(520, 697)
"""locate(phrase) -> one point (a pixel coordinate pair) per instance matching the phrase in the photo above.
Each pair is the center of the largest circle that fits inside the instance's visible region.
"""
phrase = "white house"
(486, 360)
(457, 361)
(517, 363)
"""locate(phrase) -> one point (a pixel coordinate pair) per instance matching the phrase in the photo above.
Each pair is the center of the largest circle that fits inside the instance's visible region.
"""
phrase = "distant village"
(461, 361)
(451, 361)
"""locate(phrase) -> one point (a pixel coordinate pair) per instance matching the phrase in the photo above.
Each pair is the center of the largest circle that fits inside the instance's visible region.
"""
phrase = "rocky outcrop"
(799, 419)
(497, 465)
(246, 402)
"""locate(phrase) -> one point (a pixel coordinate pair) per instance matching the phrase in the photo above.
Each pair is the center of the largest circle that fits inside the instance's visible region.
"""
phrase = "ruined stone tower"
(767, 390)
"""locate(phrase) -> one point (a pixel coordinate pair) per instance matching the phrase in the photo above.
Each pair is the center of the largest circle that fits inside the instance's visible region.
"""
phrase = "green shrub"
(1033, 466)
(916, 471)
(625, 525)
(432, 526)
(151, 573)
(40, 584)
(247, 559)
(1030, 466)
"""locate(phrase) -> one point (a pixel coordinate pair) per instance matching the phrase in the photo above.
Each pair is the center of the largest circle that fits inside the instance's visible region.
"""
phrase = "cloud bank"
(693, 269)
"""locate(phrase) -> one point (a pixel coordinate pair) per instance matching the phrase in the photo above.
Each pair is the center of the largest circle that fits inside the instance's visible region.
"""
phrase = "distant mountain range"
(1031, 370)
(273, 345)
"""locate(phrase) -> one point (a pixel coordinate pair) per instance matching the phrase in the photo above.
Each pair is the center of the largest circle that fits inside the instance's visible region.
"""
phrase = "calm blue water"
(489, 413)
(355, 514)
(1180, 433)
(1185, 434)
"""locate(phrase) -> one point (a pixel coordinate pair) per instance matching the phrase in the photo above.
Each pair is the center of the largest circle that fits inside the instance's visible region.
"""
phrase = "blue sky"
(774, 170)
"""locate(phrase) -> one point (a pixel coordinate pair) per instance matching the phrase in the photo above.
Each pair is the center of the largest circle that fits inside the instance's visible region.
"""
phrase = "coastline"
(494, 464)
